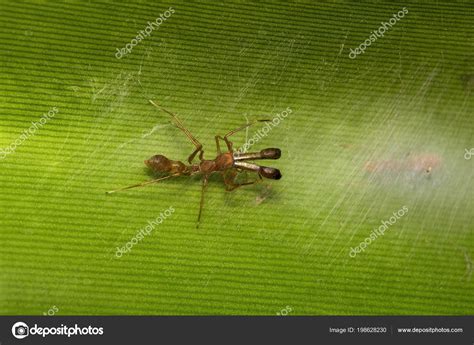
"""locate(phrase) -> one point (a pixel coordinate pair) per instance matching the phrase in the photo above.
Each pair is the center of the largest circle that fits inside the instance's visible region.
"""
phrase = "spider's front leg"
(225, 138)
(188, 134)
(195, 152)
(230, 176)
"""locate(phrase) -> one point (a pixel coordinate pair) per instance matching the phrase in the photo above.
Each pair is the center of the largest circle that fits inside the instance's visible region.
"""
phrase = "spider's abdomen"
(160, 163)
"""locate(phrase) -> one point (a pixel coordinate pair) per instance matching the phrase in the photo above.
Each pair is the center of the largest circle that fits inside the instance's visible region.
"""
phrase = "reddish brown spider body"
(228, 164)
(223, 162)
